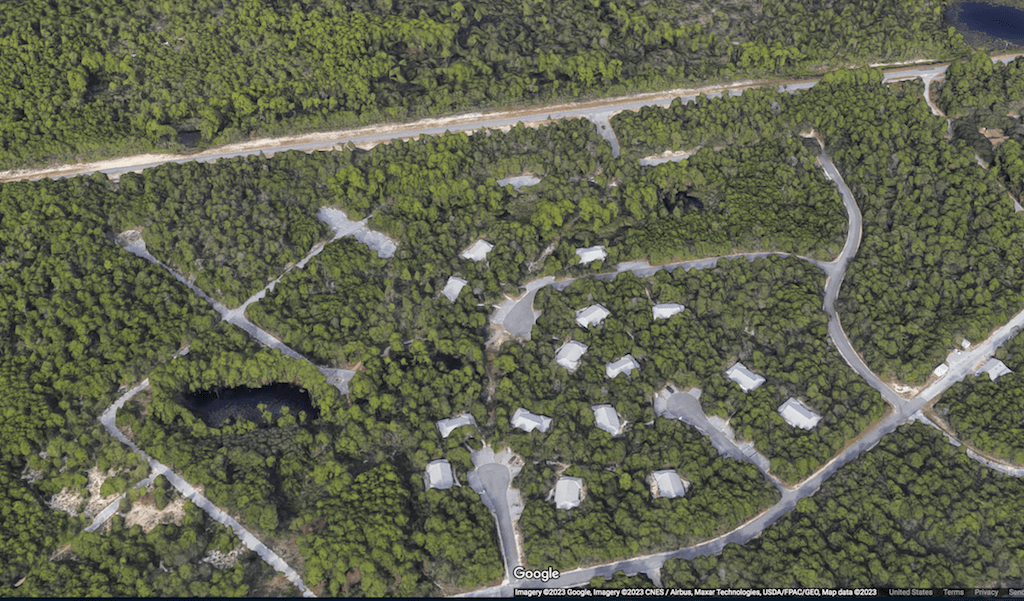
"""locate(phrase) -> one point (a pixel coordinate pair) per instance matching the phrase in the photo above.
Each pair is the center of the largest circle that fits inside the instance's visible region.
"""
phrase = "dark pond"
(218, 406)
(1002, 22)
(684, 202)
(189, 139)
(449, 362)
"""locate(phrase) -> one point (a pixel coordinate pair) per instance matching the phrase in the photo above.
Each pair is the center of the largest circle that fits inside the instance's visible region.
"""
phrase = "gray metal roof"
(591, 315)
(798, 415)
(453, 288)
(567, 492)
(747, 379)
(524, 420)
(570, 353)
(670, 485)
(623, 366)
(607, 419)
(477, 252)
(439, 475)
(590, 254)
(446, 426)
(666, 310)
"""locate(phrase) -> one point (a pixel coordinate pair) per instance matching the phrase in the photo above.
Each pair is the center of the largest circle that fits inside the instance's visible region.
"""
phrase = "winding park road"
(902, 409)
(337, 377)
(109, 418)
(518, 316)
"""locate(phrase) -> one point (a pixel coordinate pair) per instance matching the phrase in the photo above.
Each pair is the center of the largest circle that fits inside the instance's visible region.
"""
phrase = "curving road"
(338, 377)
(902, 411)
(518, 317)
(109, 418)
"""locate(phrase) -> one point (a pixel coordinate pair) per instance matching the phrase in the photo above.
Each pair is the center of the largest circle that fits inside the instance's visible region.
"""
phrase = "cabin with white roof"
(570, 354)
(747, 379)
(477, 252)
(524, 420)
(623, 366)
(668, 484)
(995, 368)
(439, 475)
(593, 314)
(453, 288)
(591, 254)
(568, 492)
(447, 426)
(607, 419)
(666, 310)
(798, 415)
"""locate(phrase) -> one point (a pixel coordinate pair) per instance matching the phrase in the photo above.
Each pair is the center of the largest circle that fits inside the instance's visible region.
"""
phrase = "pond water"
(218, 406)
(1002, 22)
(189, 139)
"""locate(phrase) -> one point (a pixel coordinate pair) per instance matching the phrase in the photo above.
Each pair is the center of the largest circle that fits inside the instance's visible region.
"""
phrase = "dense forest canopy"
(765, 313)
(985, 100)
(914, 511)
(95, 78)
(939, 260)
(986, 413)
(941, 248)
(339, 482)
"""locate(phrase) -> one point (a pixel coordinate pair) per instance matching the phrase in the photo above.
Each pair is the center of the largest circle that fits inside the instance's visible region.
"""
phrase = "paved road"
(836, 271)
(518, 316)
(604, 127)
(492, 480)
(236, 316)
(495, 481)
(598, 111)
(902, 411)
(687, 408)
(109, 419)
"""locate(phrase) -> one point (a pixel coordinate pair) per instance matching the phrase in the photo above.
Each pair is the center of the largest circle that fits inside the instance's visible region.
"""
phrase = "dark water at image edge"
(997, 22)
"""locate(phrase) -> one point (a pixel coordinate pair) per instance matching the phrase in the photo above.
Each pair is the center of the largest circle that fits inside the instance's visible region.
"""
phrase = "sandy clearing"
(531, 116)
(66, 501)
(146, 515)
(668, 156)
(98, 503)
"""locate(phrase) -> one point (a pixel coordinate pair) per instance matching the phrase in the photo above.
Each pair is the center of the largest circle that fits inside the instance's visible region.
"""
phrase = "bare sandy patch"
(995, 136)
(66, 501)
(904, 390)
(145, 514)
(669, 156)
(534, 116)
(98, 503)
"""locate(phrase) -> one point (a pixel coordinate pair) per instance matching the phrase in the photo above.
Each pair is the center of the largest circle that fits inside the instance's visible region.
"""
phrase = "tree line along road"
(597, 111)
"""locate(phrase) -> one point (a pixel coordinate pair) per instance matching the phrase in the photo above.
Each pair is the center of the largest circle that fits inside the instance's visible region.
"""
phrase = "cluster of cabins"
(569, 492)
(794, 411)
(993, 367)
(478, 252)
